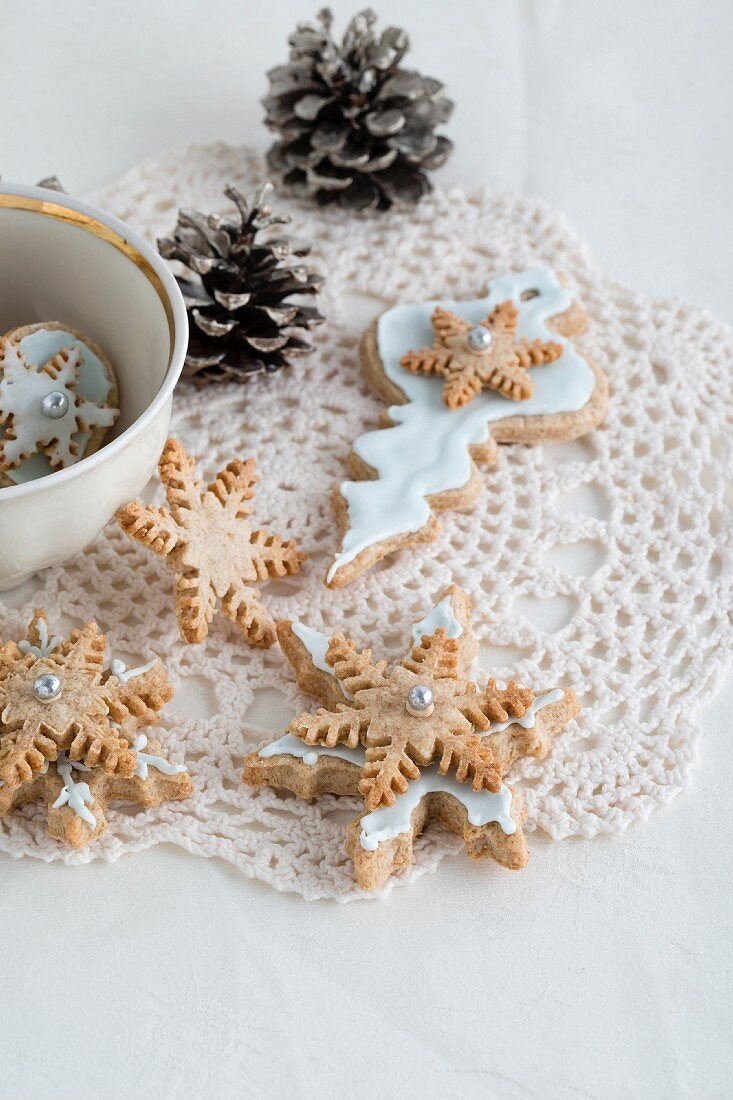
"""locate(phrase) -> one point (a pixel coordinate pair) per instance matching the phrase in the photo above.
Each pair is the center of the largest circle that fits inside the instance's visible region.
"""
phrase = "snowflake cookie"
(484, 356)
(528, 385)
(58, 400)
(70, 732)
(207, 540)
(419, 741)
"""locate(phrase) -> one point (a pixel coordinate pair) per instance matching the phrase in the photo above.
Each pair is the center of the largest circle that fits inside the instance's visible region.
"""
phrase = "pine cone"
(241, 322)
(355, 127)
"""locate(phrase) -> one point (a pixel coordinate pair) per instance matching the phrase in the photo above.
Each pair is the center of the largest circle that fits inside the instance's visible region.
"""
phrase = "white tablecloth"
(603, 969)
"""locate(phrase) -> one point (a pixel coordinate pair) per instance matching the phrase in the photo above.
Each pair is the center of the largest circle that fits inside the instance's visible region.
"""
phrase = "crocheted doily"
(603, 564)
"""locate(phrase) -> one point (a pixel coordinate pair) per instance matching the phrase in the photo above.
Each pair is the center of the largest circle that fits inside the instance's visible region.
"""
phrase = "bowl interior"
(55, 270)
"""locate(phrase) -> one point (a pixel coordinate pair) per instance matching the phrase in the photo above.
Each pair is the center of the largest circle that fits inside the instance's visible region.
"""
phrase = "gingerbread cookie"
(424, 458)
(70, 731)
(418, 742)
(206, 539)
(488, 355)
(58, 400)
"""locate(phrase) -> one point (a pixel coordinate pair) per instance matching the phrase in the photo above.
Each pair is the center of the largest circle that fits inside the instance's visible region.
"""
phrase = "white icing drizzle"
(293, 746)
(482, 808)
(92, 385)
(76, 796)
(427, 449)
(123, 674)
(317, 645)
(442, 615)
(145, 760)
(529, 718)
(46, 645)
(388, 822)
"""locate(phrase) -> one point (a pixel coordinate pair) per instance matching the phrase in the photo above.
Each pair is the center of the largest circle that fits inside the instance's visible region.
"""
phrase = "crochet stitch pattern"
(606, 563)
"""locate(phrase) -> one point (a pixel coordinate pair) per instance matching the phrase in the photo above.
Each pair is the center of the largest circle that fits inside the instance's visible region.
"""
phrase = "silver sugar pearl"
(479, 338)
(55, 405)
(420, 701)
(47, 687)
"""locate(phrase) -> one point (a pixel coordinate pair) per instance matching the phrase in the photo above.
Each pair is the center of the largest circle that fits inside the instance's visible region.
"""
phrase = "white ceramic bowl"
(64, 260)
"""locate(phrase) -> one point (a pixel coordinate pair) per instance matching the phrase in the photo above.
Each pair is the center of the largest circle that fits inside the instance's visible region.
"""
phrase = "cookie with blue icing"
(419, 743)
(58, 400)
(424, 457)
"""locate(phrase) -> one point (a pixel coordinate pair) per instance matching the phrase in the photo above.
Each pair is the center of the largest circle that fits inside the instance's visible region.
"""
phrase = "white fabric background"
(602, 970)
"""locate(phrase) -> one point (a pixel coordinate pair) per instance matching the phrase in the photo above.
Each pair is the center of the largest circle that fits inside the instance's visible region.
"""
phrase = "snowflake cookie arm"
(234, 487)
(273, 557)
(437, 654)
(463, 383)
(427, 361)
(470, 758)
(536, 353)
(23, 754)
(243, 606)
(495, 704)
(353, 670)
(137, 701)
(344, 726)
(387, 767)
(447, 324)
(503, 319)
(10, 655)
(90, 416)
(177, 471)
(195, 602)
(38, 640)
(509, 379)
(82, 651)
(515, 741)
(97, 744)
(153, 527)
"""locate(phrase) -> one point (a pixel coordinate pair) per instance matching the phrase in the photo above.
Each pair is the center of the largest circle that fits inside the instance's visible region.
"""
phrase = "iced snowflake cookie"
(419, 741)
(445, 419)
(71, 732)
(206, 538)
(58, 400)
(489, 355)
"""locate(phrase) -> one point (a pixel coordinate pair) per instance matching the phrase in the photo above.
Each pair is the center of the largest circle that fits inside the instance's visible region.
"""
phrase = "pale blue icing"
(145, 760)
(46, 645)
(443, 616)
(293, 746)
(77, 796)
(482, 808)
(124, 674)
(388, 822)
(317, 646)
(316, 643)
(527, 721)
(39, 347)
(426, 451)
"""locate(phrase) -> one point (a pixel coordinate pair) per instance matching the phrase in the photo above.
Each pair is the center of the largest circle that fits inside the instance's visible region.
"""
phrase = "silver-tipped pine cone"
(241, 320)
(355, 127)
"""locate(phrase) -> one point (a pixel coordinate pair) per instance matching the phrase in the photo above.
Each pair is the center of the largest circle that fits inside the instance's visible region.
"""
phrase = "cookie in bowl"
(58, 400)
